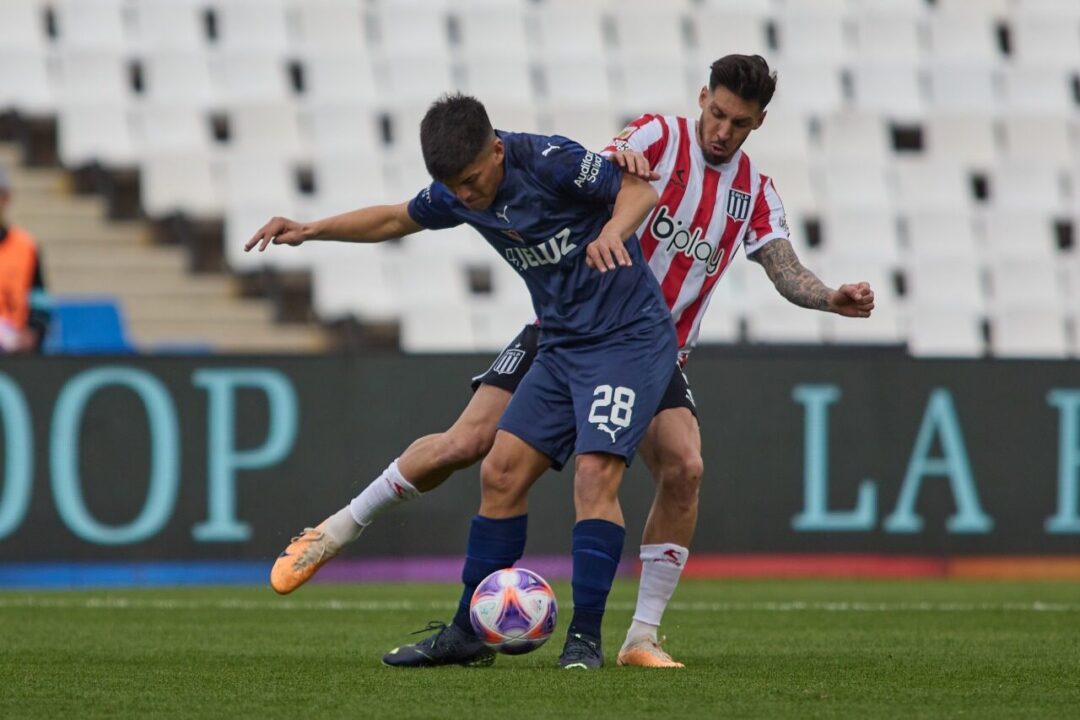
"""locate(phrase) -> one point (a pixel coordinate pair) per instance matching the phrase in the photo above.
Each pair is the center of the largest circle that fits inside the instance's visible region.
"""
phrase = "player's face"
(476, 185)
(726, 121)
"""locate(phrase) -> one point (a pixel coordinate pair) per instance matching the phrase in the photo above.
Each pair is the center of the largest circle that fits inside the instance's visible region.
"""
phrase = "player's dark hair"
(454, 131)
(748, 76)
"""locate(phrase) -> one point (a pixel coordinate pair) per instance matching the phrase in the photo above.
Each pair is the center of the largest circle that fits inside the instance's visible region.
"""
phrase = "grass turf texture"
(753, 649)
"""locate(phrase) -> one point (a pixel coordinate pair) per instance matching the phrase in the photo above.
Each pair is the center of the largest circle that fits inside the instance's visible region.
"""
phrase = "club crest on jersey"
(738, 204)
(508, 362)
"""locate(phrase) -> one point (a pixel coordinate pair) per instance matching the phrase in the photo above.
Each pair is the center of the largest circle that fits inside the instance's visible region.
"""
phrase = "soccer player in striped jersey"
(713, 199)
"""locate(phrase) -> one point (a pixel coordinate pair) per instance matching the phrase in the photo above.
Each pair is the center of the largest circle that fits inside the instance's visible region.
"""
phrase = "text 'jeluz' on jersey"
(550, 252)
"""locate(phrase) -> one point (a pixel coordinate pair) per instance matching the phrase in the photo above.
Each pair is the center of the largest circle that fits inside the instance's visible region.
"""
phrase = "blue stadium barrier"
(86, 326)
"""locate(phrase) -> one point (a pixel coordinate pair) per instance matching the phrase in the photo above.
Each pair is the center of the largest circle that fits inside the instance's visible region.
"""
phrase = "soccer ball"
(513, 611)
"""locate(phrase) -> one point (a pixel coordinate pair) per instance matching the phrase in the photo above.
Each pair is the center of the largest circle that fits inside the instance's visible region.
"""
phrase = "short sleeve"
(647, 135)
(768, 220)
(573, 171)
(433, 208)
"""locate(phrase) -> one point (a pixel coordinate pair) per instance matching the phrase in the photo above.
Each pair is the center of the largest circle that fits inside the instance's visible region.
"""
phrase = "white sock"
(661, 566)
(341, 528)
(384, 492)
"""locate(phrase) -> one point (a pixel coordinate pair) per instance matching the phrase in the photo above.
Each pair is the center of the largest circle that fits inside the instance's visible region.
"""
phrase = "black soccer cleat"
(449, 646)
(581, 653)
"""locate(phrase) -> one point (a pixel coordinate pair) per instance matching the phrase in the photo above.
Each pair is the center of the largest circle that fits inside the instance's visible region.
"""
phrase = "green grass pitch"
(781, 649)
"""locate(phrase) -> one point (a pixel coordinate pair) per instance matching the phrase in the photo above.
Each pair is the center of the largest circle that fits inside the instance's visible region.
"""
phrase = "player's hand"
(607, 252)
(634, 163)
(855, 300)
(279, 231)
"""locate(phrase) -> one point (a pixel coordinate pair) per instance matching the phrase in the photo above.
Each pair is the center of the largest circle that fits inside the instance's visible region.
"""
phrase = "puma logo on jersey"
(604, 428)
(502, 215)
(550, 147)
(550, 252)
(667, 229)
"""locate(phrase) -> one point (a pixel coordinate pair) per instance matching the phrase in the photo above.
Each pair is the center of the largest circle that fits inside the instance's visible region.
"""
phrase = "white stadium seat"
(253, 26)
(808, 88)
(251, 76)
(860, 234)
(349, 181)
(571, 30)
(772, 319)
(412, 26)
(721, 29)
(890, 90)
(94, 76)
(168, 25)
(24, 82)
(944, 330)
(179, 77)
(941, 233)
(650, 31)
(1018, 234)
(574, 81)
(258, 179)
(1037, 138)
(507, 81)
(334, 26)
(968, 139)
(784, 134)
(340, 77)
(91, 25)
(165, 128)
(1018, 282)
(944, 282)
(505, 21)
(1026, 185)
(963, 39)
(333, 127)
(922, 185)
(415, 79)
(360, 287)
(654, 85)
(854, 137)
(89, 133)
(976, 9)
(856, 186)
(22, 25)
(180, 183)
(1060, 9)
(437, 328)
(592, 126)
(814, 37)
(963, 88)
(888, 37)
(1037, 89)
(1024, 332)
(270, 129)
(1047, 40)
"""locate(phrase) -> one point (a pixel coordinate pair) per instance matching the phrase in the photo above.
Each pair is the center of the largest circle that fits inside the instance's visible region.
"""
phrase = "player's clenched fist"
(856, 300)
(279, 231)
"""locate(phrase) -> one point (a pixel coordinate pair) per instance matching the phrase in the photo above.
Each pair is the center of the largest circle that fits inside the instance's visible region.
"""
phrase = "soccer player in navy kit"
(564, 218)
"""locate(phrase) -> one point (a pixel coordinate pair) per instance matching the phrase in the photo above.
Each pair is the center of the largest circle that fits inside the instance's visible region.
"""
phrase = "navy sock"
(597, 547)
(493, 545)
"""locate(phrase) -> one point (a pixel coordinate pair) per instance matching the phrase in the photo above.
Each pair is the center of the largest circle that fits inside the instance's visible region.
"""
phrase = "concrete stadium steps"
(164, 305)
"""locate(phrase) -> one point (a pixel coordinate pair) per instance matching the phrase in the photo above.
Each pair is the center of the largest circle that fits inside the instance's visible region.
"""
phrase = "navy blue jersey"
(553, 201)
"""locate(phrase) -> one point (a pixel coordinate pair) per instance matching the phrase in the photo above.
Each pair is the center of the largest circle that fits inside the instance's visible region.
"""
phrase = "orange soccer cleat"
(305, 554)
(647, 653)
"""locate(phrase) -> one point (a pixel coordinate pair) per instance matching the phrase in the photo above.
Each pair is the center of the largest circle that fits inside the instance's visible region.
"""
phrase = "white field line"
(120, 603)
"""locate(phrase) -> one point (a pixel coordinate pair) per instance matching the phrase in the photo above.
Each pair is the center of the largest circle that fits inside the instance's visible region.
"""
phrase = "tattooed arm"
(804, 288)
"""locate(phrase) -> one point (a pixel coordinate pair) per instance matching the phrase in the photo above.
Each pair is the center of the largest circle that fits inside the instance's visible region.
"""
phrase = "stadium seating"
(932, 146)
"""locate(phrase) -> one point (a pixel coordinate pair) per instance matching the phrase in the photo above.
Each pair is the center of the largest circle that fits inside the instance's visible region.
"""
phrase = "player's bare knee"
(497, 482)
(680, 479)
(461, 447)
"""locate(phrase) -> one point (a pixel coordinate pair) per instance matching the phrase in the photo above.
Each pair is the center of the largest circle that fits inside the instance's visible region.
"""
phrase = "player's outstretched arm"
(804, 288)
(371, 224)
(634, 201)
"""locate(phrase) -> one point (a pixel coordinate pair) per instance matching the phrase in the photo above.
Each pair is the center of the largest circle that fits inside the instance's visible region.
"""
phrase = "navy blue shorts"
(599, 397)
(512, 364)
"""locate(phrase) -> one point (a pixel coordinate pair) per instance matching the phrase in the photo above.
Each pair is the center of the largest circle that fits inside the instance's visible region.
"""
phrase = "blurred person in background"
(24, 315)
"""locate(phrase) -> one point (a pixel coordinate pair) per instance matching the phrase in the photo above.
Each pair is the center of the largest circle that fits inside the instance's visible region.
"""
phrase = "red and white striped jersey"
(704, 213)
